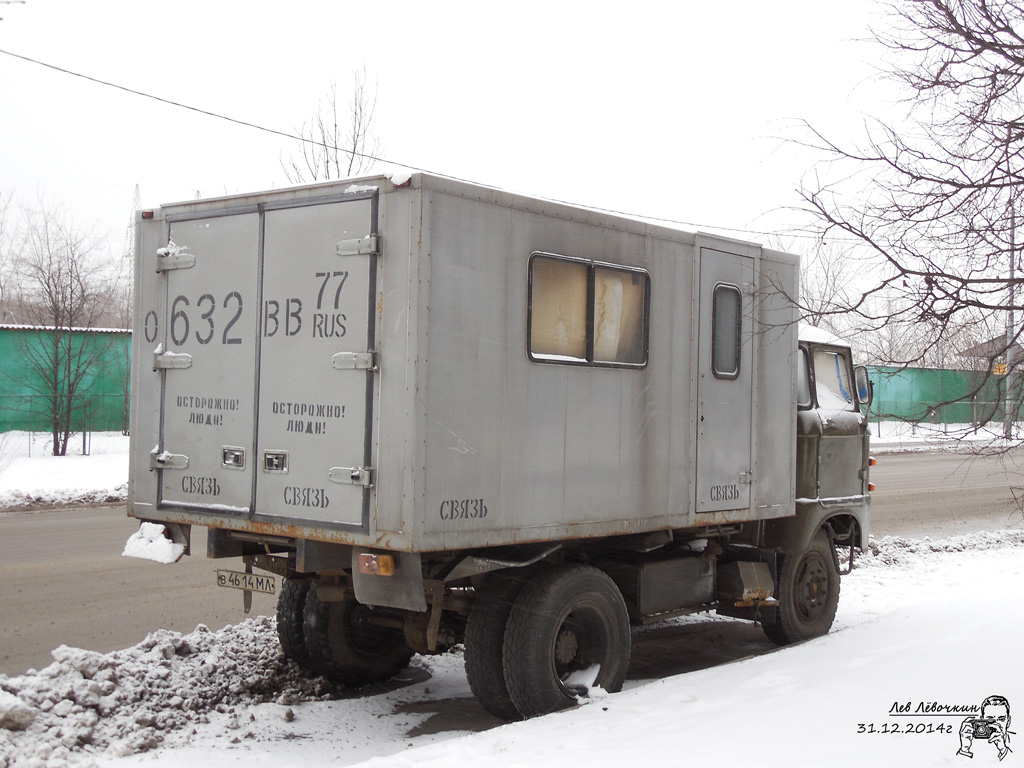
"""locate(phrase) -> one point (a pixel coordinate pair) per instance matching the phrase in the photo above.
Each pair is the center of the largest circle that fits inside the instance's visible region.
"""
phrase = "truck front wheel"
(808, 594)
(568, 631)
(347, 646)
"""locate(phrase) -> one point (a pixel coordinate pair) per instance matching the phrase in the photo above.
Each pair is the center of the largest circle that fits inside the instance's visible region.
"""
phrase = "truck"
(425, 412)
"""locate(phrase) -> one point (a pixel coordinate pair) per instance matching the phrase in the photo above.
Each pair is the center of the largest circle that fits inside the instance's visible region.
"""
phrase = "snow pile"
(120, 703)
(898, 551)
(150, 543)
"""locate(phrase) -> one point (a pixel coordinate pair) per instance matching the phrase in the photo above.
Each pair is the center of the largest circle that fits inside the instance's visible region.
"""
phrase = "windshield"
(832, 380)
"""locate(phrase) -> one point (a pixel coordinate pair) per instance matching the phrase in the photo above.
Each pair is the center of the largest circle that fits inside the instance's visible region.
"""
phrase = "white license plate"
(254, 582)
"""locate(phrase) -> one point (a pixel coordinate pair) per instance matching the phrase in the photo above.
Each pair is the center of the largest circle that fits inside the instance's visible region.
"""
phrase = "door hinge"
(352, 476)
(165, 360)
(360, 361)
(746, 478)
(173, 256)
(362, 246)
(165, 460)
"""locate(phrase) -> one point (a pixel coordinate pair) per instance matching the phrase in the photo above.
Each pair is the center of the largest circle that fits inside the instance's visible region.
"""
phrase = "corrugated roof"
(19, 327)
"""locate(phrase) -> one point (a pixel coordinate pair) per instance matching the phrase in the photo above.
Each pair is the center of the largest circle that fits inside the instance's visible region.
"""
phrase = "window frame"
(591, 266)
(805, 365)
(732, 288)
(840, 353)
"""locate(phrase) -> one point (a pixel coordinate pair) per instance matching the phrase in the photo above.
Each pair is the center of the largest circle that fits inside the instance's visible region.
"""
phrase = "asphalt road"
(63, 580)
(941, 494)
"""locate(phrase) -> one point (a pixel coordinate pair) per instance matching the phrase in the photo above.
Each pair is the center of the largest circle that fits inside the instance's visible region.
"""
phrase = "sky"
(682, 111)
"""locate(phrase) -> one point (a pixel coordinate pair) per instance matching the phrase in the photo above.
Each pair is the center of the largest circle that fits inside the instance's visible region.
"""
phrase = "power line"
(287, 135)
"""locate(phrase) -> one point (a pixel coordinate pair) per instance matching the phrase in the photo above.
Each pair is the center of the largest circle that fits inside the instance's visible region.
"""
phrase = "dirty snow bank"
(128, 701)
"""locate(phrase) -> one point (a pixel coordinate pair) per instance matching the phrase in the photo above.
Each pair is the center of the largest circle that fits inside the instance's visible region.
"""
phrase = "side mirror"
(865, 387)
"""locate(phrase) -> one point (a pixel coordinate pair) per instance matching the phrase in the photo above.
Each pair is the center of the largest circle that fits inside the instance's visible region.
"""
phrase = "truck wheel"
(290, 605)
(808, 594)
(485, 634)
(568, 628)
(345, 647)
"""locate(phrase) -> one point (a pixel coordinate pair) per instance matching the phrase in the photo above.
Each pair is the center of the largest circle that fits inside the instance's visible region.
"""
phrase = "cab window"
(833, 381)
(803, 380)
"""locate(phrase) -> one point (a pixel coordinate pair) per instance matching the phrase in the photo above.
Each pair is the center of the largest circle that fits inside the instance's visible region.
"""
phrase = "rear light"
(871, 461)
(871, 487)
(376, 565)
(147, 214)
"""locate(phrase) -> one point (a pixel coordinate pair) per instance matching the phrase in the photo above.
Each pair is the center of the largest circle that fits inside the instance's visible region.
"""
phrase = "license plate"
(252, 582)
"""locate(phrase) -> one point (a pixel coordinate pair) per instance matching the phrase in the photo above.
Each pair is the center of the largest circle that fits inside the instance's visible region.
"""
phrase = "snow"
(926, 626)
(814, 335)
(151, 543)
(31, 477)
(401, 177)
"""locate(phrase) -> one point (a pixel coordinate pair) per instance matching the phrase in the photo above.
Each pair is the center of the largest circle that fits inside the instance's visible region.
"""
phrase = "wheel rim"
(580, 643)
(812, 588)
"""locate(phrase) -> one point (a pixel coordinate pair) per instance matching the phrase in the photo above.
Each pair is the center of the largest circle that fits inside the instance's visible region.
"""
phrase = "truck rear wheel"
(568, 630)
(290, 606)
(808, 594)
(347, 647)
(485, 635)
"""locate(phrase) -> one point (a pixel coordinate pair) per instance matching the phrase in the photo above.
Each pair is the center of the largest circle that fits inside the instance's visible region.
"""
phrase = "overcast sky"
(673, 110)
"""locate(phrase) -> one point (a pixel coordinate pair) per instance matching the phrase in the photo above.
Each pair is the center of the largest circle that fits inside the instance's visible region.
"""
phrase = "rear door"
(724, 385)
(266, 332)
(208, 333)
(316, 365)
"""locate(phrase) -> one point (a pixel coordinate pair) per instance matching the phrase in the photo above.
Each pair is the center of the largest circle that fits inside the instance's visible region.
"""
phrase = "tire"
(346, 648)
(564, 621)
(485, 635)
(808, 594)
(290, 606)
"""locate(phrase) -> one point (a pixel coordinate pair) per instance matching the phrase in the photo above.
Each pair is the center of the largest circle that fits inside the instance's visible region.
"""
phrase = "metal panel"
(313, 447)
(210, 313)
(724, 386)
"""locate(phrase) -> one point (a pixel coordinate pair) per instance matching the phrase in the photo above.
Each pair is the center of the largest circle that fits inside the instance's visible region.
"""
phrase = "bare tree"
(6, 240)
(933, 200)
(63, 288)
(337, 146)
(826, 276)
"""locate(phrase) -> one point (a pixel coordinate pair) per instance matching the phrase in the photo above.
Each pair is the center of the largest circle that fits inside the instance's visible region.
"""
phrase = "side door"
(316, 367)
(724, 381)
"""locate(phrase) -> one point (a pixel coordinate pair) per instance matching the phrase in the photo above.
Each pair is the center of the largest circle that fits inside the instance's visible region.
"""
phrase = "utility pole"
(1010, 408)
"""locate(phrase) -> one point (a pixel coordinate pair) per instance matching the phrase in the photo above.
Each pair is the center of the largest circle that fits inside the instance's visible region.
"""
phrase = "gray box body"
(350, 363)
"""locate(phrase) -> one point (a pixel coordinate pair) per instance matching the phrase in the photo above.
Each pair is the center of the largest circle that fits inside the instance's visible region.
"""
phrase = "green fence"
(937, 396)
(101, 402)
(908, 394)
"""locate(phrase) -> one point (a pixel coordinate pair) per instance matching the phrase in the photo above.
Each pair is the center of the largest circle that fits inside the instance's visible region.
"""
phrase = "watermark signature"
(980, 728)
